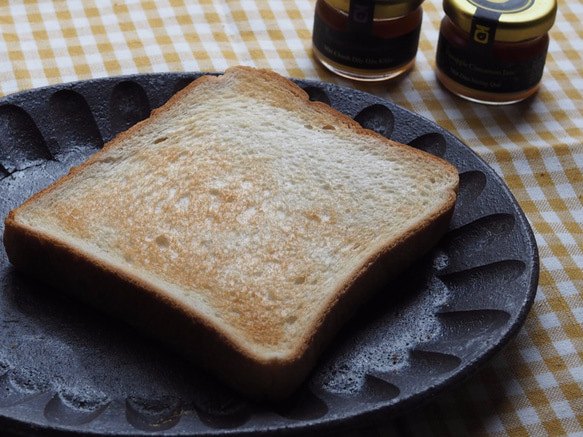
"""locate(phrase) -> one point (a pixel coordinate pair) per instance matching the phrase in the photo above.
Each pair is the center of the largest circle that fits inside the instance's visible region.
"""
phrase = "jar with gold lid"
(368, 40)
(494, 51)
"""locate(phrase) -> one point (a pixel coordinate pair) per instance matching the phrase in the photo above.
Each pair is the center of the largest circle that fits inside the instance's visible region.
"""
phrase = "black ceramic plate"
(67, 369)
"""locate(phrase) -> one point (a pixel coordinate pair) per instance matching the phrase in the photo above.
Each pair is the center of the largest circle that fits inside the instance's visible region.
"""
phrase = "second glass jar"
(494, 51)
(368, 40)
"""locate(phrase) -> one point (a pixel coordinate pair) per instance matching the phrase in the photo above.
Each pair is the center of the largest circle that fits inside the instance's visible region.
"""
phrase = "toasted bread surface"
(240, 223)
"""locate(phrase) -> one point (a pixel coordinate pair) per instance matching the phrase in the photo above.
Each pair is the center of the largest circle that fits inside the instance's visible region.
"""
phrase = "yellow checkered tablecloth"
(535, 386)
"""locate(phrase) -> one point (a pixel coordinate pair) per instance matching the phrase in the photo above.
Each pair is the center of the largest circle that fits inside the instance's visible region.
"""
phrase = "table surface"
(535, 385)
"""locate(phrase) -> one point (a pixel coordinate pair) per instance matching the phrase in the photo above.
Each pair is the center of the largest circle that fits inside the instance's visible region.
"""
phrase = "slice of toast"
(241, 223)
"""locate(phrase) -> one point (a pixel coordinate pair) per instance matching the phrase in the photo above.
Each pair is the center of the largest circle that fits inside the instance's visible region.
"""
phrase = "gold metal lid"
(517, 20)
(383, 8)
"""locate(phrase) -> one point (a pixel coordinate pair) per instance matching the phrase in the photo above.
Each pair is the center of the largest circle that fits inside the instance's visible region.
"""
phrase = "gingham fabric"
(535, 386)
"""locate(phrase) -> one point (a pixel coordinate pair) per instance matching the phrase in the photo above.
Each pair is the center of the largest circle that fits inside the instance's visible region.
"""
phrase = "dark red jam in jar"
(494, 51)
(368, 40)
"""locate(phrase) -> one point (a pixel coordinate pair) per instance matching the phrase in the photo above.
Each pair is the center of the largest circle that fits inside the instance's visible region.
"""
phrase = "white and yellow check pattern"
(535, 386)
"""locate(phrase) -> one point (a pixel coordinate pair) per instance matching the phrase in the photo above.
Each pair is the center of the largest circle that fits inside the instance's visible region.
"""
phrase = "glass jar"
(494, 51)
(367, 40)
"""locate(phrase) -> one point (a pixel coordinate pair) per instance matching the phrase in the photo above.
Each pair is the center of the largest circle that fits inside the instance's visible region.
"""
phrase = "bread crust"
(147, 307)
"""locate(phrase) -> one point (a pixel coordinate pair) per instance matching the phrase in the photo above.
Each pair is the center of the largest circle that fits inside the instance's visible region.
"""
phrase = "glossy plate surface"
(65, 368)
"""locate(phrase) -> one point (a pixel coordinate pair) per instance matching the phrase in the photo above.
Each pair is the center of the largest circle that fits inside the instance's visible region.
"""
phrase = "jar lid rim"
(515, 20)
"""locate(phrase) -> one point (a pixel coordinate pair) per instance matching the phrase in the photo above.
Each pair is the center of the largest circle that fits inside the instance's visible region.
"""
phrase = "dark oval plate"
(65, 368)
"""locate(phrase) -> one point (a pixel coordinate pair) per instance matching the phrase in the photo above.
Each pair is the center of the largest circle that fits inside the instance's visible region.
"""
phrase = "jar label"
(483, 31)
(361, 16)
(480, 70)
(362, 50)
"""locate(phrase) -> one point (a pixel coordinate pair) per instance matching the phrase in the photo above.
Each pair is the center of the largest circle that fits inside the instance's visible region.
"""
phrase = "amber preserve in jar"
(494, 51)
(368, 40)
